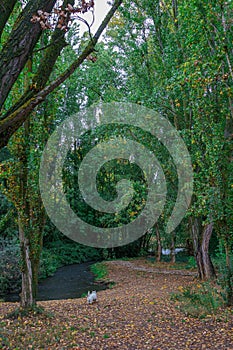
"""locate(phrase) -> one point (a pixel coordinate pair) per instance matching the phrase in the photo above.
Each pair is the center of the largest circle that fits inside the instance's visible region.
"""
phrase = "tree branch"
(19, 46)
(6, 8)
(13, 121)
(52, 51)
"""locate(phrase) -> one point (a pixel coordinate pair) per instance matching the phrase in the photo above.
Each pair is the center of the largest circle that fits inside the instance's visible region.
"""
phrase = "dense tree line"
(174, 57)
(28, 56)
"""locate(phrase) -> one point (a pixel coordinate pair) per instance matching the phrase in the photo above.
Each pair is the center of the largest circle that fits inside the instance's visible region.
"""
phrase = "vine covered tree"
(29, 54)
(179, 62)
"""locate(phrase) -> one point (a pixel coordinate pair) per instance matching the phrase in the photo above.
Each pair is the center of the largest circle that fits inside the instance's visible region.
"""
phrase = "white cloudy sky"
(101, 9)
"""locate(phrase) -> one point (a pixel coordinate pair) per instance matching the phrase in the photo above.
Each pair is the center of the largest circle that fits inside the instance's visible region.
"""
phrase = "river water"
(68, 282)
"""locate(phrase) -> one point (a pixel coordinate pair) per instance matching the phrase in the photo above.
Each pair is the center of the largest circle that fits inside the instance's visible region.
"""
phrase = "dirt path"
(136, 314)
(140, 265)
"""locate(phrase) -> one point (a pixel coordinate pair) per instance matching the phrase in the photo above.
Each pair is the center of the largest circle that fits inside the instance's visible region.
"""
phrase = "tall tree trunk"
(27, 296)
(227, 252)
(173, 248)
(6, 7)
(31, 221)
(158, 252)
(31, 247)
(18, 48)
(201, 239)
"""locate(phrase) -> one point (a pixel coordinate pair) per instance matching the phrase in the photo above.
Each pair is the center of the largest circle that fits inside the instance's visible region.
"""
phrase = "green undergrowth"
(199, 300)
(32, 311)
(100, 270)
(183, 261)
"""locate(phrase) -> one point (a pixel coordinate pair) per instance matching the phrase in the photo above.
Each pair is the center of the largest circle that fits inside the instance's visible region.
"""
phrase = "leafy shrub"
(49, 263)
(10, 276)
(8, 215)
(225, 273)
(68, 252)
(191, 263)
(225, 280)
(199, 300)
(99, 270)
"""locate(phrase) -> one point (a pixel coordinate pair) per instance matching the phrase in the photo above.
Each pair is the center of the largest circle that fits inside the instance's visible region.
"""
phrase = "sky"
(101, 9)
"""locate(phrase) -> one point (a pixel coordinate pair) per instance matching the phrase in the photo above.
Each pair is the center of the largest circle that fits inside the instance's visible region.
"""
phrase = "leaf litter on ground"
(137, 313)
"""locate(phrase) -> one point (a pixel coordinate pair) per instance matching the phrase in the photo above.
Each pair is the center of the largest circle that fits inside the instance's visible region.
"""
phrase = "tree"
(20, 46)
(26, 145)
(178, 62)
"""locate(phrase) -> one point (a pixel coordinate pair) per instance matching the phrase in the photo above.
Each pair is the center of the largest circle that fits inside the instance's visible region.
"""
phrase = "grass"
(199, 300)
(178, 265)
(99, 270)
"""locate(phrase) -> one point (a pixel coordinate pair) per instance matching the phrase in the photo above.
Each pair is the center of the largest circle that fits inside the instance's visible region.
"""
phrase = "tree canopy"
(173, 57)
(22, 45)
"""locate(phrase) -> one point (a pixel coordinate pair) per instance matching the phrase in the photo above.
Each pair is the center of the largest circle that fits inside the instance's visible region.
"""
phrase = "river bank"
(68, 282)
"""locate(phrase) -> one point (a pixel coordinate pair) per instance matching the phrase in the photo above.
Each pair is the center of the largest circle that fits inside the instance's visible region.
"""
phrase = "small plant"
(199, 300)
(225, 276)
(34, 310)
(10, 276)
(106, 336)
(191, 263)
(99, 270)
(111, 284)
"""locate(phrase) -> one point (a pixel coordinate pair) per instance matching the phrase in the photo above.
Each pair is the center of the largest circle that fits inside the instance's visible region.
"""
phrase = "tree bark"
(27, 296)
(173, 248)
(205, 266)
(6, 8)
(18, 48)
(31, 247)
(31, 225)
(30, 212)
(51, 54)
(158, 252)
(201, 239)
(10, 123)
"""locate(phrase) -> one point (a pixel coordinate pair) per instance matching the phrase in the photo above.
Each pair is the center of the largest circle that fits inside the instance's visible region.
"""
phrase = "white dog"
(91, 297)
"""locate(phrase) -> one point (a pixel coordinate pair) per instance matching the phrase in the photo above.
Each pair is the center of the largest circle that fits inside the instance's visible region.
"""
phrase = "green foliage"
(225, 280)
(191, 263)
(199, 300)
(49, 263)
(106, 336)
(99, 270)
(10, 277)
(225, 275)
(65, 252)
(8, 222)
